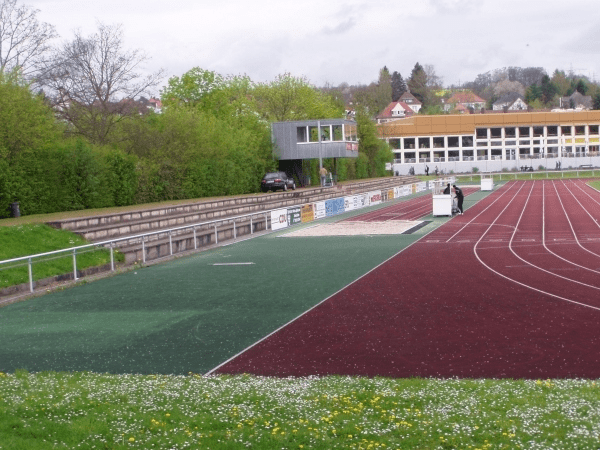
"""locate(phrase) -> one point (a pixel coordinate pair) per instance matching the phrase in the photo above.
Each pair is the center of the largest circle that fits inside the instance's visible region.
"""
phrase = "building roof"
(407, 97)
(387, 112)
(578, 100)
(465, 97)
(509, 98)
(457, 124)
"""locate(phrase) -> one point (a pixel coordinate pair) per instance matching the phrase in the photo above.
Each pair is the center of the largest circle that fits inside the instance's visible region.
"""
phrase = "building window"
(301, 134)
(438, 142)
(566, 130)
(453, 141)
(394, 143)
(350, 132)
(593, 129)
(467, 141)
(496, 133)
(552, 130)
(313, 133)
(482, 133)
(510, 132)
(525, 142)
(523, 131)
(338, 134)
(409, 143)
(538, 131)
(424, 142)
(580, 130)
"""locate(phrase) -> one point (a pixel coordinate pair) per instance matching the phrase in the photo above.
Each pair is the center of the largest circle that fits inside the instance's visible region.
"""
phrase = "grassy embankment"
(86, 410)
(30, 239)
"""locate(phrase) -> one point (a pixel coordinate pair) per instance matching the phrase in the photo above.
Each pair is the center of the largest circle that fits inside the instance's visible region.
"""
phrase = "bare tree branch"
(94, 80)
(24, 41)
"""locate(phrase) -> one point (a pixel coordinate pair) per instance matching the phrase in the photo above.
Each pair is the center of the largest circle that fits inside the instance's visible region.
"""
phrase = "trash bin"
(16, 212)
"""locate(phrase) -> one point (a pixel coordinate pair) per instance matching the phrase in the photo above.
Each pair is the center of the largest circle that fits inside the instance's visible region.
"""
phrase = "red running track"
(509, 290)
(412, 209)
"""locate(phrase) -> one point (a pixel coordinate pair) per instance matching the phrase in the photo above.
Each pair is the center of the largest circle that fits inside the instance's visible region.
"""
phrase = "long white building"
(494, 142)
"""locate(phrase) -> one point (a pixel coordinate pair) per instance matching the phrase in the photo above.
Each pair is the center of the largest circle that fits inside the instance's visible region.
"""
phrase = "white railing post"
(74, 264)
(143, 250)
(171, 242)
(112, 258)
(234, 233)
(195, 242)
(266, 223)
(216, 235)
(251, 230)
(30, 275)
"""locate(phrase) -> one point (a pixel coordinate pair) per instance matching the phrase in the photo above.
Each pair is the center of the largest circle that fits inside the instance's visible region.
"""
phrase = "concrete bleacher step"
(132, 223)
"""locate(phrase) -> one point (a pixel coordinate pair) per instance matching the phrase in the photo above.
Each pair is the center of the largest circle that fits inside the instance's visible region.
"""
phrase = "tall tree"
(398, 86)
(581, 87)
(294, 98)
(417, 83)
(533, 93)
(596, 101)
(548, 90)
(384, 89)
(560, 80)
(24, 40)
(94, 80)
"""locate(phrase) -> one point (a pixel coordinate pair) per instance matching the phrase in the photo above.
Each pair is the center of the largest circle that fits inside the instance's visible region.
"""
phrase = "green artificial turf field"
(189, 315)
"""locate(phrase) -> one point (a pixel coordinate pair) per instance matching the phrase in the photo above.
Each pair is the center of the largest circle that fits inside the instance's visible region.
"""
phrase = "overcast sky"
(331, 41)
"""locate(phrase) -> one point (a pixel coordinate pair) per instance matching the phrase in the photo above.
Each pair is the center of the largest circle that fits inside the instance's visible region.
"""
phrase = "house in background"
(412, 101)
(155, 104)
(512, 101)
(462, 101)
(395, 111)
(576, 101)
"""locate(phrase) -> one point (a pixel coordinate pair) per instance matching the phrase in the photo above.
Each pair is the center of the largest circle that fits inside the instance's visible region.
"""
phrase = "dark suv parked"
(277, 180)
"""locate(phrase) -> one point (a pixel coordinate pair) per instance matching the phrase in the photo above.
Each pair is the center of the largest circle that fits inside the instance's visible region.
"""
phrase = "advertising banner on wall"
(397, 192)
(319, 210)
(414, 188)
(294, 215)
(279, 219)
(350, 203)
(406, 189)
(334, 206)
(363, 200)
(374, 197)
(307, 213)
(390, 194)
(422, 186)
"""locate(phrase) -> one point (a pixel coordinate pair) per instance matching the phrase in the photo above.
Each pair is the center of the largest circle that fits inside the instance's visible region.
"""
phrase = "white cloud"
(350, 40)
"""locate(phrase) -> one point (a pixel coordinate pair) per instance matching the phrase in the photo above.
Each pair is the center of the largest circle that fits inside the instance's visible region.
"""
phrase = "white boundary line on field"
(210, 372)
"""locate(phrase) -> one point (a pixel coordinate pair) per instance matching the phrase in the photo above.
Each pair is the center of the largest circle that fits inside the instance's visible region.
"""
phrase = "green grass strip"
(87, 410)
(30, 239)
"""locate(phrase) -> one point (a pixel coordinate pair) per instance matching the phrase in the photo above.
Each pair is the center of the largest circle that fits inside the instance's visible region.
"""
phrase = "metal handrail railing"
(29, 259)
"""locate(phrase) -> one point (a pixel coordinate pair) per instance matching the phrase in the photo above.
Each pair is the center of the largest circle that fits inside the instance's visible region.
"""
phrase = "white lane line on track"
(315, 306)
(530, 263)
(587, 212)
(518, 282)
(489, 206)
(570, 225)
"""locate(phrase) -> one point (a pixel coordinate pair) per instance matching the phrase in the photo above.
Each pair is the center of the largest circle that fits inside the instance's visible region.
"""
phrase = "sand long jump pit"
(359, 228)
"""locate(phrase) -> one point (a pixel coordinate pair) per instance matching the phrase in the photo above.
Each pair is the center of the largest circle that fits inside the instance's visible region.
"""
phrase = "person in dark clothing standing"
(459, 198)
(427, 170)
(447, 190)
